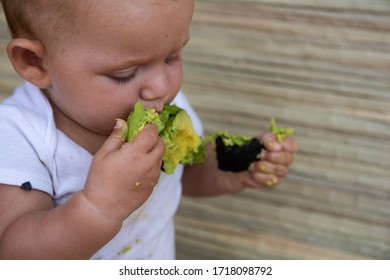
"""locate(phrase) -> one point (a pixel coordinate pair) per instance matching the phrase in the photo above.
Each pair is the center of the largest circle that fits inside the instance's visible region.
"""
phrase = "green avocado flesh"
(183, 144)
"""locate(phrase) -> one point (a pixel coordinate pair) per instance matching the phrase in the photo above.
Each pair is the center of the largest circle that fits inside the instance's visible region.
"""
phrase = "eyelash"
(124, 80)
(128, 79)
(169, 60)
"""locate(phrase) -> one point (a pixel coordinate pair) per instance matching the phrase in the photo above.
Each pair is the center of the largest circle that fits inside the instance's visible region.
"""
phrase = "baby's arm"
(121, 178)
(269, 171)
(31, 228)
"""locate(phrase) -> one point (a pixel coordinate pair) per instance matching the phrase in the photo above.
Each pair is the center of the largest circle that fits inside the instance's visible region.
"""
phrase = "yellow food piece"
(182, 143)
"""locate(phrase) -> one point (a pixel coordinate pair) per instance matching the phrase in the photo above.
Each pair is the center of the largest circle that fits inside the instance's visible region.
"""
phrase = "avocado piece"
(280, 132)
(183, 144)
(237, 157)
(139, 117)
(236, 153)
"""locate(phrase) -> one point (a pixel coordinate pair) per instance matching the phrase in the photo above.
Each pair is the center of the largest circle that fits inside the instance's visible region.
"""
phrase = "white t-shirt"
(33, 150)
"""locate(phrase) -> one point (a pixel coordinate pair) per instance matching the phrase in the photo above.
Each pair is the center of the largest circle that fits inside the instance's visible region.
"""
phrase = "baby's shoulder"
(26, 112)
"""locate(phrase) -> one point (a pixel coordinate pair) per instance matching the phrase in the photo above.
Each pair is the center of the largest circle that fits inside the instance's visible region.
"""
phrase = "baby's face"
(120, 52)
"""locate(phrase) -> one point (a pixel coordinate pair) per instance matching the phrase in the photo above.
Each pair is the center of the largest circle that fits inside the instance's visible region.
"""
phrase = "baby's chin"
(103, 131)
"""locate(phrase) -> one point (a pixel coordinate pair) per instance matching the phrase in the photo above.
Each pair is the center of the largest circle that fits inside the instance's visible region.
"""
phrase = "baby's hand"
(122, 175)
(273, 165)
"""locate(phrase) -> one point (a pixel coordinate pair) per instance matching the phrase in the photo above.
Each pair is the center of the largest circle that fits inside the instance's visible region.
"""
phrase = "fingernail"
(263, 166)
(120, 129)
(118, 124)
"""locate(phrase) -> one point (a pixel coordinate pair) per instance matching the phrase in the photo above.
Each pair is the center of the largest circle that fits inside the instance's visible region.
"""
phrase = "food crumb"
(125, 250)
(272, 182)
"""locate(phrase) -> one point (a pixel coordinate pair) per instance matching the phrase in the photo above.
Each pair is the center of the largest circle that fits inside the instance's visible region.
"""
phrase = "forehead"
(121, 13)
(117, 20)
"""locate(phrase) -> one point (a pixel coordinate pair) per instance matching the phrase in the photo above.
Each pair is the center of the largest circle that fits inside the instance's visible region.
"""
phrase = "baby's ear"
(27, 59)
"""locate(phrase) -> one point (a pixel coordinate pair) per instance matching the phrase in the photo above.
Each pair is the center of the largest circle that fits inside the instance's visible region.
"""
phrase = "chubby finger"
(147, 139)
(283, 158)
(290, 144)
(270, 142)
(115, 140)
(267, 167)
(262, 181)
(158, 151)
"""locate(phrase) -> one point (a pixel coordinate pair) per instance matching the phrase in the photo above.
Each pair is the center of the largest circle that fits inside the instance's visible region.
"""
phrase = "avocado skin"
(237, 158)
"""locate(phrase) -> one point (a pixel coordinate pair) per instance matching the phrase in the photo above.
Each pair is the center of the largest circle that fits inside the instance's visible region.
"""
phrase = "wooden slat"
(322, 67)
(8, 79)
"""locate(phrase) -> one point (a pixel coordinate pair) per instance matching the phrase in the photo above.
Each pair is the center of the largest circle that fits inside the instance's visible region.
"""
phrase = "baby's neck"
(89, 140)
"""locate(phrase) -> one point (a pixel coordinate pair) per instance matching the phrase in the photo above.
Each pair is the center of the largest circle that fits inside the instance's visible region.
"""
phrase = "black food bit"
(237, 158)
(236, 153)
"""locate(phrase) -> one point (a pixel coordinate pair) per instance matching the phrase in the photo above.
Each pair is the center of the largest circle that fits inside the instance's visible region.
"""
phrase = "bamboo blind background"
(322, 67)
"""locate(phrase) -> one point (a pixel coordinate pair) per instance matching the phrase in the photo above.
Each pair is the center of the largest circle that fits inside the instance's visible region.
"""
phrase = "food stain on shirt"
(124, 250)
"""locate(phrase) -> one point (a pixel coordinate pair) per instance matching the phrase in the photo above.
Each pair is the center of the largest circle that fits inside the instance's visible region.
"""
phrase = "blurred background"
(321, 67)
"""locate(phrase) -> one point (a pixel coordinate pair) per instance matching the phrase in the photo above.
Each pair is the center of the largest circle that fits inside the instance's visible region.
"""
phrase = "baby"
(70, 187)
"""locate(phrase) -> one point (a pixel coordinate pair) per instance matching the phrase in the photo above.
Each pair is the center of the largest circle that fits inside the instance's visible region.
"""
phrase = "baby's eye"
(172, 59)
(123, 78)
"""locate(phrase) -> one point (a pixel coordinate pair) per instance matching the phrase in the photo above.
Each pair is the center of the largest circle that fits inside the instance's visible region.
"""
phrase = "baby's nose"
(157, 86)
